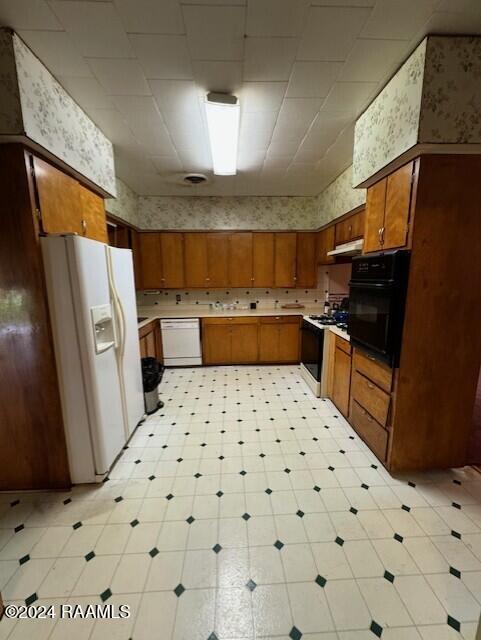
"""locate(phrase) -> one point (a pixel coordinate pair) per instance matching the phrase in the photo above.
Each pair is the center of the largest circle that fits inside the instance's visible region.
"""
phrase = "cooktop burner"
(323, 319)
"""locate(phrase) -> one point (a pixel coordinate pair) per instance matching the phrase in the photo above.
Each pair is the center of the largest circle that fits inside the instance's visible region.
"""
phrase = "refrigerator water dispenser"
(103, 326)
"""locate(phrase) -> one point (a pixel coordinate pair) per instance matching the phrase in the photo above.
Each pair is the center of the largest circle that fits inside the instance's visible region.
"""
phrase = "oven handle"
(353, 284)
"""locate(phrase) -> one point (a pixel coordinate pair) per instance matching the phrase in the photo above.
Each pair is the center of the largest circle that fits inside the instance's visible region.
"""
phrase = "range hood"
(353, 248)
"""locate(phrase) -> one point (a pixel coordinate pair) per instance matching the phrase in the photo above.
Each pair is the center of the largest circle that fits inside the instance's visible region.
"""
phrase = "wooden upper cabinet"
(92, 211)
(195, 260)
(387, 211)
(137, 258)
(396, 213)
(263, 259)
(306, 260)
(326, 243)
(240, 260)
(374, 220)
(172, 257)
(59, 199)
(217, 259)
(285, 259)
(352, 228)
(150, 260)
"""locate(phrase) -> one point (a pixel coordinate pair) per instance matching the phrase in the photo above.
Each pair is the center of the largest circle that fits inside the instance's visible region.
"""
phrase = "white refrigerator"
(92, 304)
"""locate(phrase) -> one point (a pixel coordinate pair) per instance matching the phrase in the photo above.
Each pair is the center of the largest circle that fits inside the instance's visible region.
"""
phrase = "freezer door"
(128, 348)
(90, 289)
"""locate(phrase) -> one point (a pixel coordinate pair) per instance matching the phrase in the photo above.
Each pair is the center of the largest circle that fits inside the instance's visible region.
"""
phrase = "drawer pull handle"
(371, 358)
(277, 318)
(366, 414)
(370, 385)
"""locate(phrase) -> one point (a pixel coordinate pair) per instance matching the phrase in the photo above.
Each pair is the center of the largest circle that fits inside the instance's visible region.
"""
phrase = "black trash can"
(152, 372)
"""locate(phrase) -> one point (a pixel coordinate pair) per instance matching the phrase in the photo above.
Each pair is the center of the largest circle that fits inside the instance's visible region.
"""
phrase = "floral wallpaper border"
(40, 108)
(339, 198)
(125, 204)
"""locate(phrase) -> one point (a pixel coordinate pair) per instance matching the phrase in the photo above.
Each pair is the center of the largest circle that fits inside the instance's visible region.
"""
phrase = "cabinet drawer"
(370, 431)
(343, 345)
(279, 320)
(231, 320)
(370, 397)
(377, 372)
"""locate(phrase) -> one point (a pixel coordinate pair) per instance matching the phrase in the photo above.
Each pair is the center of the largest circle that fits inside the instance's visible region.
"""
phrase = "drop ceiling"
(303, 71)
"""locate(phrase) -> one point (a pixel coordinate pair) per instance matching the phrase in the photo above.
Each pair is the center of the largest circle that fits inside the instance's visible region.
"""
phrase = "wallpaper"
(389, 126)
(224, 212)
(451, 100)
(10, 111)
(50, 117)
(124, 205)
(338, 198)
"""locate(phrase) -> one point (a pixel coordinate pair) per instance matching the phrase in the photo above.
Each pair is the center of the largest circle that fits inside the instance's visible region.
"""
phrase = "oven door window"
(311, 350)
(370, 315)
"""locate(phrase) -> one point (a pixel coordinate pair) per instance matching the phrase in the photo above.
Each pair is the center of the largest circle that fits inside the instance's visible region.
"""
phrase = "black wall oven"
(377, 295)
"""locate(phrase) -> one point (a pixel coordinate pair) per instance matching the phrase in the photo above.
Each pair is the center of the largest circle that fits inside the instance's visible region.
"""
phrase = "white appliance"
(91, 295)
(353, 248)
(181, 342)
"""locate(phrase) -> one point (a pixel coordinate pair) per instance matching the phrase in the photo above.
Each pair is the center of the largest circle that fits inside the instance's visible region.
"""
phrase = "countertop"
(204, 311)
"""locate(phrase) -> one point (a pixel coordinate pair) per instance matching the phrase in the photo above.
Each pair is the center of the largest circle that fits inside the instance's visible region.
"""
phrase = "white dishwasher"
(181, 342)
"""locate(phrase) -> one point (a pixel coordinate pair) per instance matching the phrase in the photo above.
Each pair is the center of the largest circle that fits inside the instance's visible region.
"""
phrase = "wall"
(48, 116)
(224, 212)
(125, 204)
(338, 198)
(434, 99)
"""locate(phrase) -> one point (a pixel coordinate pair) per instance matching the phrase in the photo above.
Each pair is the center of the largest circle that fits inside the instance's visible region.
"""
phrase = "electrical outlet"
(177, 297)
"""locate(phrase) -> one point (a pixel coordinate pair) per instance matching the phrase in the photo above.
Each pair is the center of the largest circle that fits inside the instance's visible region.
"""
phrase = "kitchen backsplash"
(333, 279)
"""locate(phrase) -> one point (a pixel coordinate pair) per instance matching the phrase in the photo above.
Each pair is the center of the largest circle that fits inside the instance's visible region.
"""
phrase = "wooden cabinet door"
(92, 211)
(135, 241)
(306, 268)
(59, 199)
(217, 259)
(342, 381)
(195, 260)
(268, 343)
(285, 260)
(374, 216)
(244, 343)
(326, 243)
(398, 201)
(357, 225)
(150, 260)
(172, 255)
(240, 260)
(342, 232)
(217, 344)
(288, 342)
(263, 259)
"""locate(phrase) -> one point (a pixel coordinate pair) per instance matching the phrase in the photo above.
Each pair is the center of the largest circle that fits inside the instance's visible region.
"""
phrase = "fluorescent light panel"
(223, 114)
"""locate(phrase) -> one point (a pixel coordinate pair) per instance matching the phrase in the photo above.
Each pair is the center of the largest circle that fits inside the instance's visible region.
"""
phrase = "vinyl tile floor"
(246, 508)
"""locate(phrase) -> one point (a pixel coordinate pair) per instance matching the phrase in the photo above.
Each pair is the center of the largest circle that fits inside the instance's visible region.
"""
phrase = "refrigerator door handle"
(120, 331)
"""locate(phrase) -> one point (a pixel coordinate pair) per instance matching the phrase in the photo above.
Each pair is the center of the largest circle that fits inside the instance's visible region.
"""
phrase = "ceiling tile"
(276, 164)
(215, 33)
(27, 14)
(215, 2)
(163, 56)
(151, 16)
(166, 164)
(143, 117)
(373, 60)
(390, 19)
(88, 92)
(95, 28)
(296, 115)
(120, 77)
(269, 59)
(114, 127)
(262, 96)
(350, 98)
(330, 32)
(343, 3)
(443, 22)
(195, 159)
(320, 137)
(218, 76)
(179, 96)
(256, 130)
(284, 146)
(459, 6)
(276, 17)
(57, 52)
(312, 79)
(249, 160)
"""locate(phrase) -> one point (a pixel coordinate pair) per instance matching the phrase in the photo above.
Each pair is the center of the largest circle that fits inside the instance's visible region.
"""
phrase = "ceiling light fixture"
(223, 114)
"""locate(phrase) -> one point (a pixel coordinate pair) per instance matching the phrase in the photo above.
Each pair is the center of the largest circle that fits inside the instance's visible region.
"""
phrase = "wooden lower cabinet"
(374, 435)
(342, 377)
(150, 339)
(279, 339)
(245, 340)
